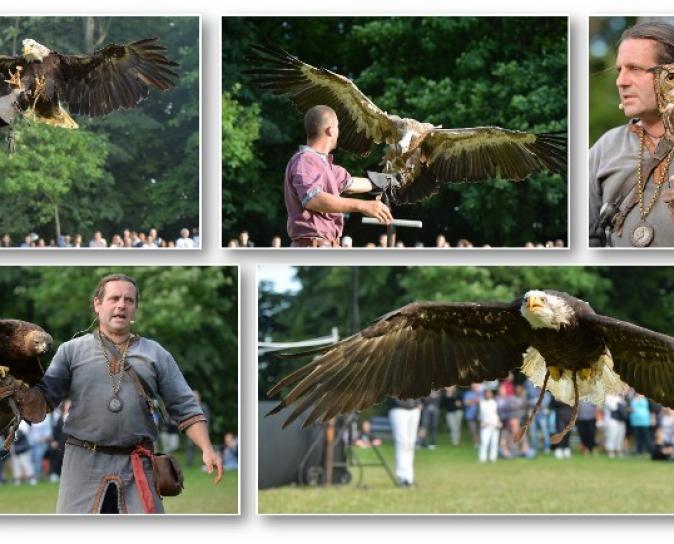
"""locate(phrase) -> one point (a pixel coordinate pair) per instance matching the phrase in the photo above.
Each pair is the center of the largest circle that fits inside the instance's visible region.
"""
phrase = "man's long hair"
(662, 33)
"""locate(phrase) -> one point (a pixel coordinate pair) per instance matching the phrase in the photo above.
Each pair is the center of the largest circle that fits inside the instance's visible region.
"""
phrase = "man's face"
(635, 84)
(117, 308)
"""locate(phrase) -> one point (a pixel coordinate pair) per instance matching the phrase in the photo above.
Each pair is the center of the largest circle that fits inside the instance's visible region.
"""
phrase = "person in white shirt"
(490, 423)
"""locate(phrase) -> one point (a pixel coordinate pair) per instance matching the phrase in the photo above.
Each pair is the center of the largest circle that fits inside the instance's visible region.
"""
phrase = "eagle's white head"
(34, 51)
(545, 311)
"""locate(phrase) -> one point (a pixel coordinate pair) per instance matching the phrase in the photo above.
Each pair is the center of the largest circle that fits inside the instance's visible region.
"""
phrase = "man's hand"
(212, 460)
(377, 210)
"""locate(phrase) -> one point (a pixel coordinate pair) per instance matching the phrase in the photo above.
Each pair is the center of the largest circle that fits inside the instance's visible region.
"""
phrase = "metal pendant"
(642, 235)
(115, 404)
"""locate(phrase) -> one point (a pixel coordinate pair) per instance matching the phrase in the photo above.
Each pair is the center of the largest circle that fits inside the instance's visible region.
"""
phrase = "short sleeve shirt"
(307, 174)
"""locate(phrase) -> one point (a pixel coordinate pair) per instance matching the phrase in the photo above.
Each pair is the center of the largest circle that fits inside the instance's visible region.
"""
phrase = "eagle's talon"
(15, 79)
(4, 370)
(39, 88)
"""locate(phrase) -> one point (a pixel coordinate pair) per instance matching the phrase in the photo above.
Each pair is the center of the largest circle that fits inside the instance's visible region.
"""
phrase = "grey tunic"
(79, 370)
(613, 171)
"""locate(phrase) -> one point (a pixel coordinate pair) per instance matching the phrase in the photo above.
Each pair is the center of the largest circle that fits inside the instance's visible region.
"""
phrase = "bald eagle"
(422, 154)
(21, 344)
(555, 339)
(48, 86)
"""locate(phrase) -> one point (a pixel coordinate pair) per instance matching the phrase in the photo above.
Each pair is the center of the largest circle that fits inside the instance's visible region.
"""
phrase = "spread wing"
(477, 154)
(406, 354)
(21, 345)
(361, 122)
(115, 77)
(643, 358)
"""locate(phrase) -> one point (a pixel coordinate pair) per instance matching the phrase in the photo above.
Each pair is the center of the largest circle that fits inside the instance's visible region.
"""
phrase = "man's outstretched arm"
(327, 203)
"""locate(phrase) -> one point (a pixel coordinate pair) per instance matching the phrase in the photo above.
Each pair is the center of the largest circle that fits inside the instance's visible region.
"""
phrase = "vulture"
(47, 86)
(555, 339)
(663, 82)
(423, 155)
(21, 344)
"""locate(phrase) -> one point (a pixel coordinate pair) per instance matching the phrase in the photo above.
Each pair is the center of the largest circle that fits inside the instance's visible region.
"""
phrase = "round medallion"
(642, 235)
(115, 404)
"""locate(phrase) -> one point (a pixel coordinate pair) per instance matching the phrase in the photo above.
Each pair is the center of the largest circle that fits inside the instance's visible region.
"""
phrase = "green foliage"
(242, 197)
(151, 158)
(454, 71)
(191, 311)
(54, 167)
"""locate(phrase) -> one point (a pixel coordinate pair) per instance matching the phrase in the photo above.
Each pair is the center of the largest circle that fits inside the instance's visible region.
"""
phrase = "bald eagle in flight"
(555, 339)
(422, 154)
(47, 86)
(21, 344)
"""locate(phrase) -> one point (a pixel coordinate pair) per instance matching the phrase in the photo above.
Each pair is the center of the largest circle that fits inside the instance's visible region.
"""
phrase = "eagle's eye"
(670, 76)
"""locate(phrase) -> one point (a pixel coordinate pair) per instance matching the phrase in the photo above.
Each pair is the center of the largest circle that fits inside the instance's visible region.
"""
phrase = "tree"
(52, 163)
(152, 153)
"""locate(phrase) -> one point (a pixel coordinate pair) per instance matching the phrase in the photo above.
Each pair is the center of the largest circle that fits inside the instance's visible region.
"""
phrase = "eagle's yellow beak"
(534, 303)
(26, 51)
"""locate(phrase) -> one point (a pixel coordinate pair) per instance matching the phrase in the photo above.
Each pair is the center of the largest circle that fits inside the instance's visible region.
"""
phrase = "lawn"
(450, 480)
(200, 496)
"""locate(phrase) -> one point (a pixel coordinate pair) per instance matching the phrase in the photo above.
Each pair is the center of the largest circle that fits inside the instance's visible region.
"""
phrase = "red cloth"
(141, 479)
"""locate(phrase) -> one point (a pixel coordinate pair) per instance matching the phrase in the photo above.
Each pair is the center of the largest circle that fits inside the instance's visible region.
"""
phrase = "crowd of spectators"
(128, 238)
(492, 414)
(244, 240)
(37, 450)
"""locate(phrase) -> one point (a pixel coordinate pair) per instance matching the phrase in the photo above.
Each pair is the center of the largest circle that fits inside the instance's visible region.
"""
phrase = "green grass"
(451, 481)
(200, 496)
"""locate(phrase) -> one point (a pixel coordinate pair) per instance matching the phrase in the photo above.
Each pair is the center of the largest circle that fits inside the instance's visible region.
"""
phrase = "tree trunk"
(57, 220)
(89, 29)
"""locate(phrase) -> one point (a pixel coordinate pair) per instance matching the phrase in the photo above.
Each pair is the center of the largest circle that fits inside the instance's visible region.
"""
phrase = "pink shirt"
(307, 174)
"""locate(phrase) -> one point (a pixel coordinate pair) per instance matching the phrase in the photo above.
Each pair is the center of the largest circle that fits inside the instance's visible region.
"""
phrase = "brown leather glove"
(8, 386)
(32, 404)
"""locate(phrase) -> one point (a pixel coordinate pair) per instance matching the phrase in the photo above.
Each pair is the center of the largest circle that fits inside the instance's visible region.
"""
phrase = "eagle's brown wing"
(361, 122)
(478, 154)
(406, 354)
(643, 358)
(115, 77)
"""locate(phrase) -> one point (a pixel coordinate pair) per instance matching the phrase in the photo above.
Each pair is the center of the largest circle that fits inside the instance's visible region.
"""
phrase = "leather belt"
(315, 242)
(110, 450)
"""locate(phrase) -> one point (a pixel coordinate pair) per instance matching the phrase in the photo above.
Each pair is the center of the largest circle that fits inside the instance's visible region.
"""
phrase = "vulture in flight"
(21, 344)
(423, 155)
(47, 86)
(555, 339)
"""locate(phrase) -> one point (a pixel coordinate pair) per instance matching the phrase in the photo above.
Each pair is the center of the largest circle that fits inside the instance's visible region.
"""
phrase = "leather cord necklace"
(115, 404)
(643, 233)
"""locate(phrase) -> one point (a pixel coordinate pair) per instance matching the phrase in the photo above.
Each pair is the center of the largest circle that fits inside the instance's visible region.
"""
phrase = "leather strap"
(109, 450)
(315, 242)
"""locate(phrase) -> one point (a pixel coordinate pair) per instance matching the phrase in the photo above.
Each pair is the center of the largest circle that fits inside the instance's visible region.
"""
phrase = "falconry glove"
(382, 183)
(30, 401)
(32, 404)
